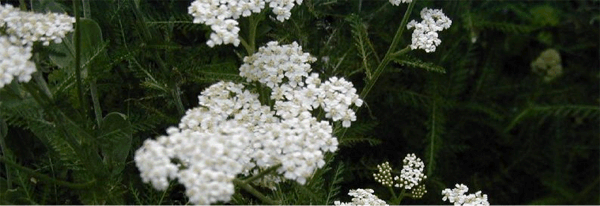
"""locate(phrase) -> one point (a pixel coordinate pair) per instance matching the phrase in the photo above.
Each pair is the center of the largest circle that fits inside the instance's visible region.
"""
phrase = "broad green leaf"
(116, 134)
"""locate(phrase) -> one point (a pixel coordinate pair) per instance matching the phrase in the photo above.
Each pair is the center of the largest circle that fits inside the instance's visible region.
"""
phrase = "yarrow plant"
(411, 177)
(459, 198)
(268, 129)
(19, 30)
(222, 15)
(425, 35)
(232, 133)
(398, 2)
(362, 197)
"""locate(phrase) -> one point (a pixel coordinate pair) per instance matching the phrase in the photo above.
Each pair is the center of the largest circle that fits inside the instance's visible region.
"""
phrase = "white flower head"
(459, 198)
(232, 133)
(222, 16)
(22, 30)
(398, 2)
(362, 197)
(411, 174)
(425, 35)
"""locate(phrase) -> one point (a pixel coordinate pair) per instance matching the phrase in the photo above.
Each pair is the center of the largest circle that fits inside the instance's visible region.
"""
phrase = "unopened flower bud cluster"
(232, 133)
(398, 2)
(18, 31)
(362, 197)
(548, 65)
(222, 15)
(384, 175)
(425, 35)
(459, 198)
(418, 191)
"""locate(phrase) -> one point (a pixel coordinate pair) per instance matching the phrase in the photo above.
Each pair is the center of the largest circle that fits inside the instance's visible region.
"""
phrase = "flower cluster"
(418, 191)
(206, 172)
(285, 69)
(425, 35)
(362, 197)
(458, 197)
(548, 65)
(14, 62)
(397, 2)
(412, 172)
(222, 15)
(411, 176)
(24, 28)
(385, 174)
(232, 133)
(19, 31)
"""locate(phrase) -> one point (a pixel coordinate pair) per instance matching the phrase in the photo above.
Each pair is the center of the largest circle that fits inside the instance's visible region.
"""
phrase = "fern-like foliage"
(334, 187)
(417, 63)
(560, 111)
(361, 42)
(435, 132)
(358, 133)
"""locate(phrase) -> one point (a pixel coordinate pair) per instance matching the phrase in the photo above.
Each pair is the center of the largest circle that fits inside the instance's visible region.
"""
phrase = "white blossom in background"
(425, 35)
(362, 197)
(20, 30)
(548, 65)
(222, 15)
(458, 197)
(398, 2)
(232, 133)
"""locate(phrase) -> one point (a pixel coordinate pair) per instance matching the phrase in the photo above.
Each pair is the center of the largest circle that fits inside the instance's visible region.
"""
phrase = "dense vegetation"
(473, 110)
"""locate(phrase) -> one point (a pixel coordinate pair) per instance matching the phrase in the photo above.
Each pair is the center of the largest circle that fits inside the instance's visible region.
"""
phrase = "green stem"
(261, 174)
(48, 179)
(78, 58)
(390, 53)
(87, 12)
(252, 35)
(22, 5)
(177, 95)
(96, 102)
(246, 46)
(254, 192)
(43, 85)
(401, 196)
(394, 197)
(5, 152)
(35, 94)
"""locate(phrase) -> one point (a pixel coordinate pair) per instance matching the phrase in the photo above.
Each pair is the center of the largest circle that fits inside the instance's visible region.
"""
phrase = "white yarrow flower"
(458, 197)
(222, 16)
(232, 133)
(425, 35)
(22, 29)
(398, 2)
(362, 197)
